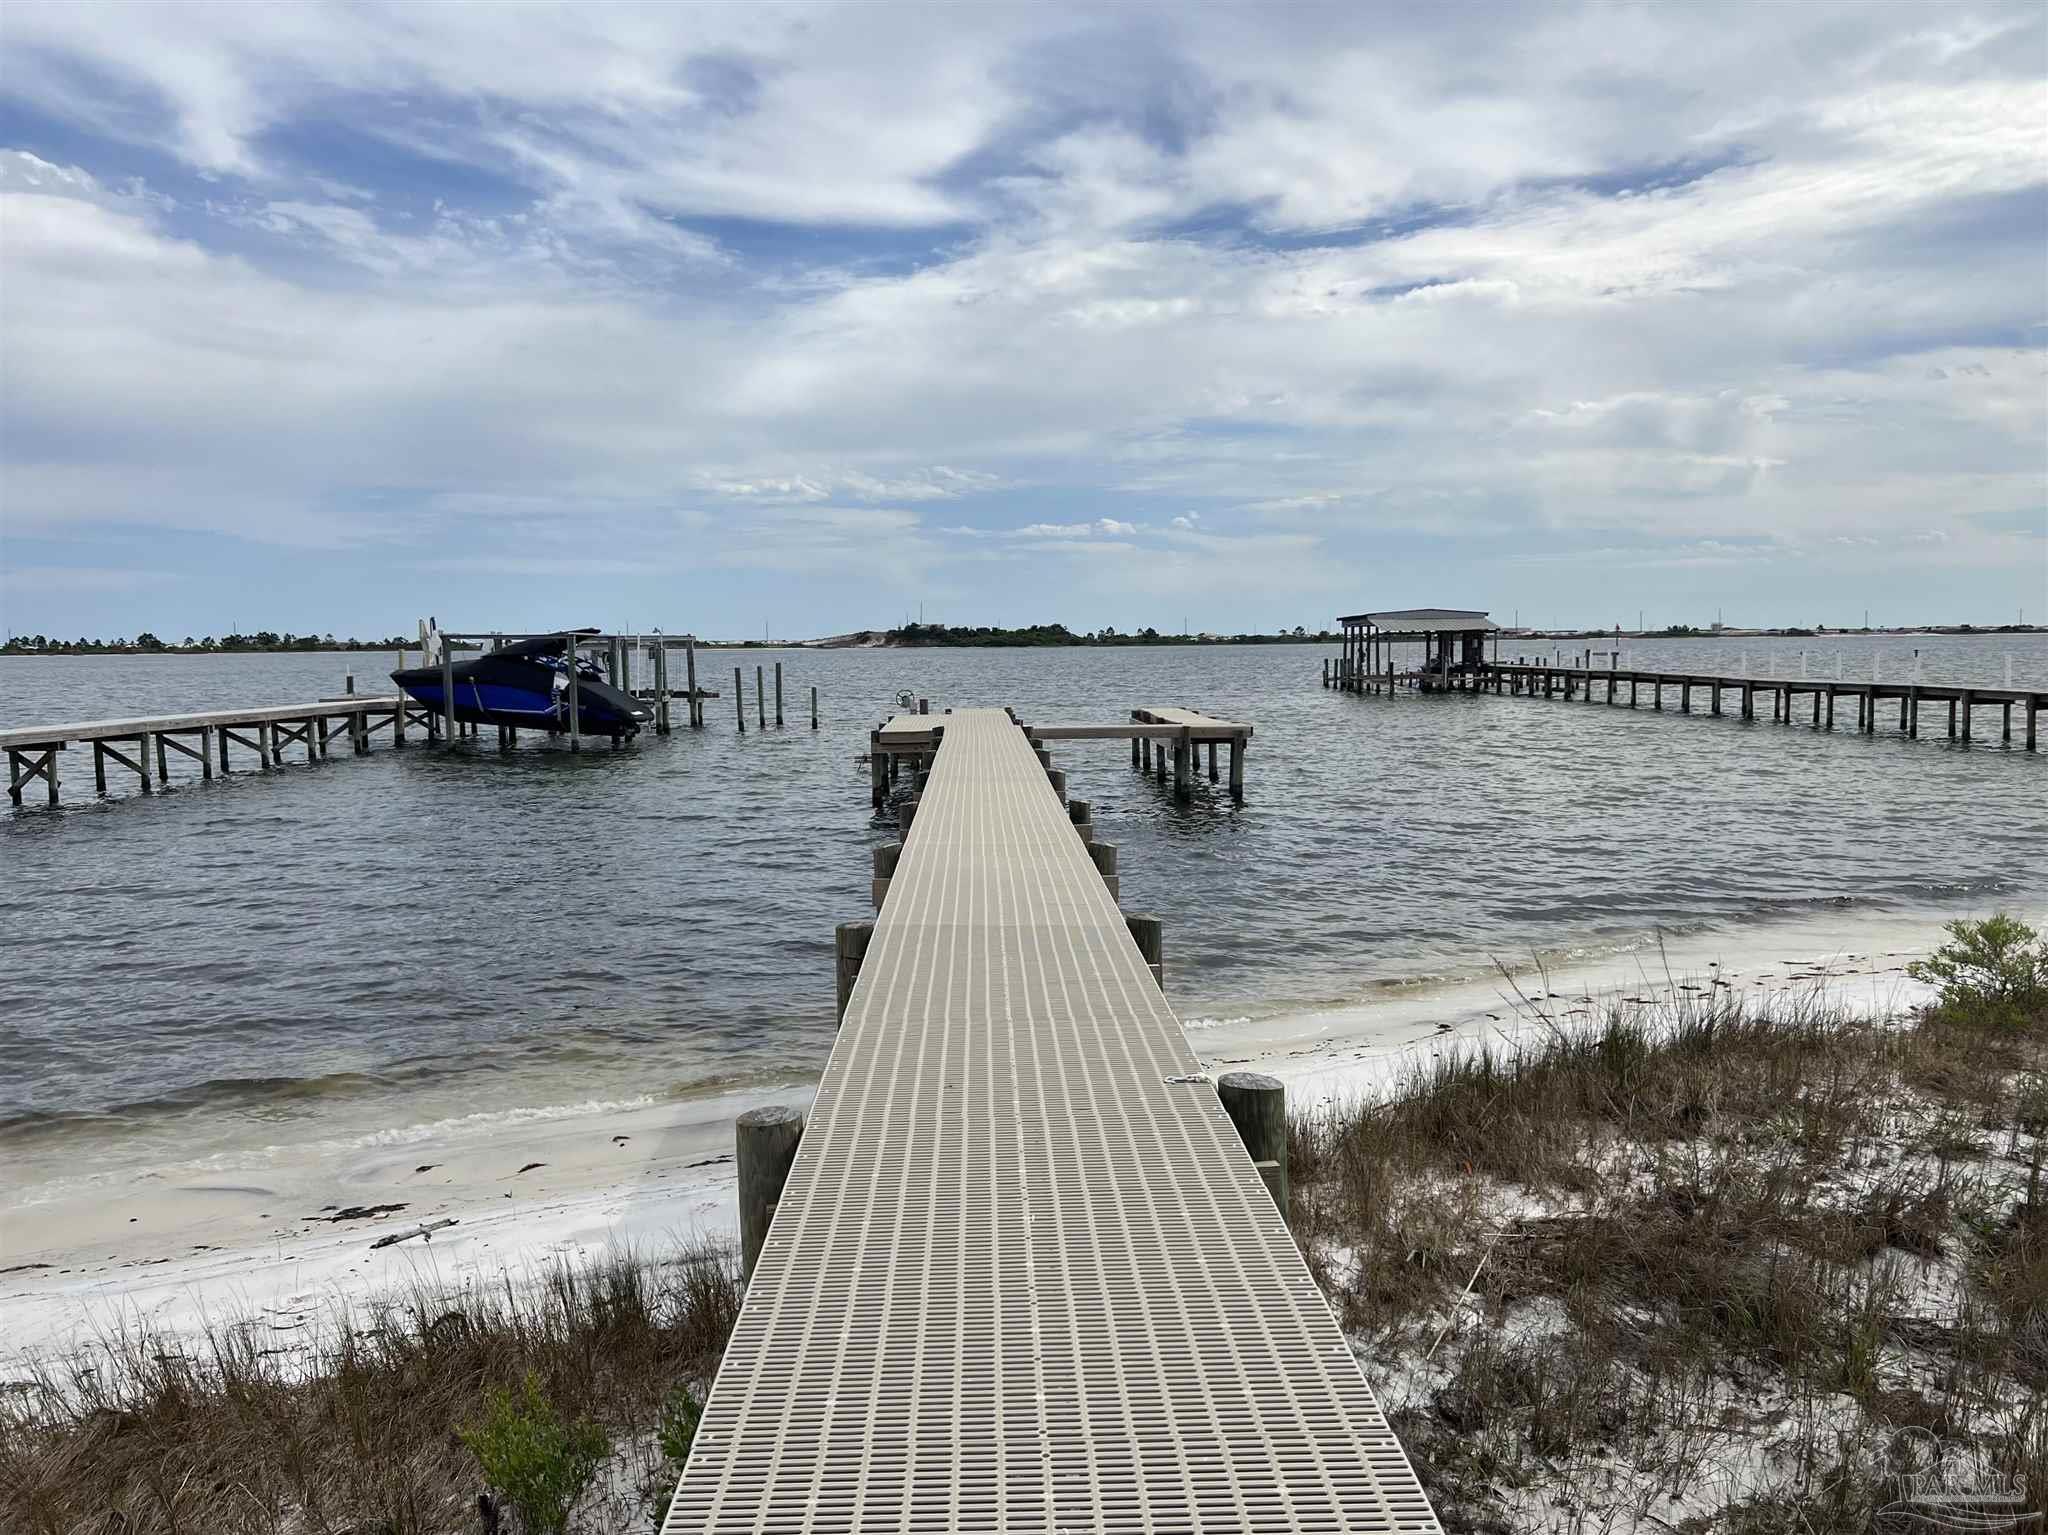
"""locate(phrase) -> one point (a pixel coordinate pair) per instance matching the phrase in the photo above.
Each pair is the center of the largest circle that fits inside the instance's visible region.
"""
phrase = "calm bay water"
(387, 941)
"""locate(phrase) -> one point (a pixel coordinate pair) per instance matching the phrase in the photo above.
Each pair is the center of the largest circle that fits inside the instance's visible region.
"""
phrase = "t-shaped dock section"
(1023, 1275)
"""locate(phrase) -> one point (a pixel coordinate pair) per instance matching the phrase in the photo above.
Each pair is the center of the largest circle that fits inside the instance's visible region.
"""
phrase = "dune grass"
(1697, 1266)
(362, 1430)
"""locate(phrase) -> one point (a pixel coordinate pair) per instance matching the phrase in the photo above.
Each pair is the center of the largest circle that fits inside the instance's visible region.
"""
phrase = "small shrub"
(676, 1429)
(1998, 964)
(538, 1462)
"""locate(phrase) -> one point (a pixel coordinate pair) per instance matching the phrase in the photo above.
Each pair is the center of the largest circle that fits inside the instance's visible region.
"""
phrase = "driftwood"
(425, 1231)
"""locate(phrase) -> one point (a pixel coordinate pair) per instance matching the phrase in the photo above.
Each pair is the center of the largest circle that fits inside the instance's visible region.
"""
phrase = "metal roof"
(1463, 620)
(1023, 1276)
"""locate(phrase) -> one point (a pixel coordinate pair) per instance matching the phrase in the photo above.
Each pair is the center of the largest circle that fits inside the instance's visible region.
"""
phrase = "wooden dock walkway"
(1150, 731)
(1023, 1274)
(1633, 688)
(204, 737)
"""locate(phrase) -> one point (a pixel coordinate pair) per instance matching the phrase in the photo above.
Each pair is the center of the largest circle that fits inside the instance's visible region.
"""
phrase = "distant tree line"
(1060, 634)
(146, 643)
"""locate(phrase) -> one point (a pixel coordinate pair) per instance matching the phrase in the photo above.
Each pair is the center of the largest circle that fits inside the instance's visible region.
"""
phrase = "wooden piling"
(1257, 1106)
(575, 699)
(761, 697)
(778, 695)
(690, 681)
(739, 700)
(765, 1146)
(850, 942)
(1183, 749)
(661, 718)
(885, 870)
(1212, 762)
(1968, 702)
(1149, 934)
(814, 706)
(1237, 747)
(448, 692)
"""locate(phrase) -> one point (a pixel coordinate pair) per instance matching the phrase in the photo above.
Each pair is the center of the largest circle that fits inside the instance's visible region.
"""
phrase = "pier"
(147, 746)
(1151, 732)
(1451, 658)
(1025, 1267)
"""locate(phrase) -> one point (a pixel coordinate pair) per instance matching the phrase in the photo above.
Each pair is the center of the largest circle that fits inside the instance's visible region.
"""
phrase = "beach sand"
(254, 1237)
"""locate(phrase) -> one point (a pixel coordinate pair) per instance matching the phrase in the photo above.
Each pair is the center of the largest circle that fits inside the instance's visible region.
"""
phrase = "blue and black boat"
(526, 685)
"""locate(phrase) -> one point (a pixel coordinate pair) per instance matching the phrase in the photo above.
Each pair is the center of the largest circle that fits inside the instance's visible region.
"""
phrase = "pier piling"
(1257, 1106)
(850, 942)
(765, 1147)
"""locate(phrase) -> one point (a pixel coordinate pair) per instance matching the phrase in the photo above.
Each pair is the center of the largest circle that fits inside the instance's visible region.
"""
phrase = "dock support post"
(1969, 702)
(661, 721)
(878, 784)
(448, 693)
(778, 695)
(1909, 712)
(1831, 709)
(1212, 762)
(690, 679)
(1183, 772)
(739, 700)
(99, 770)
(2006, 707)
(575, 696)
(765, 1146)
(761, 697)
(1134, 751)
(1149, 934)
(906, 817)
(1082, 815)
(814, 706)
(1103, 856)
(885, 870)
(1257, 1106)
(1237, 767)
(1054, 776)
(2033, 706)
(850, 942)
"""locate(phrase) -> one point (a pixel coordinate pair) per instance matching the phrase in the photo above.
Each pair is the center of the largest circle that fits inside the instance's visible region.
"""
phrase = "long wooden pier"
(1631, 688)
(1022, 1273)
(32, 749)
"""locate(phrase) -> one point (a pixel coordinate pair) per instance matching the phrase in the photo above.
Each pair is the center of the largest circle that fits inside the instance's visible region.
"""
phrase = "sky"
(787, 321)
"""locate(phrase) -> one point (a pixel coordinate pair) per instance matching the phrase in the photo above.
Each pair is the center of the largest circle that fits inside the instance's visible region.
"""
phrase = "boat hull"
(526, 688)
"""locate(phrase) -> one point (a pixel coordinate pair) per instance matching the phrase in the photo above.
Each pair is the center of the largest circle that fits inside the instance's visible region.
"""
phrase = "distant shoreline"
(1049, 638)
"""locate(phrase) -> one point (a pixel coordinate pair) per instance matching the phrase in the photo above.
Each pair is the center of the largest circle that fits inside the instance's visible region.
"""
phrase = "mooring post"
(906, 814)
(1055, 777)
(1103, 855)
(850, 942)
(661, 688)
(761, 697)
(878, 786)
(778, 695)
(739, 700)
(1969, 700)
(1149, 934)
(885, 870)
(1257, 1106)
(696, 710)
(814, 706)
(1237, 749)
(1082, 815)
(765, 1145)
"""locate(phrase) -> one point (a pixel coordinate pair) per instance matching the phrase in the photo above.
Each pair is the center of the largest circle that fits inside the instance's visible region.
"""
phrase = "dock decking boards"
(1021, 1278)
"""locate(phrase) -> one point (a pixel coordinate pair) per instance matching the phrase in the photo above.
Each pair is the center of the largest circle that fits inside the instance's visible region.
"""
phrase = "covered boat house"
(1434, 649)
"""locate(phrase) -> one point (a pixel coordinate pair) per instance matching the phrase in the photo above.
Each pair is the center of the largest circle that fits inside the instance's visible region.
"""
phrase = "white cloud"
(1805, 329)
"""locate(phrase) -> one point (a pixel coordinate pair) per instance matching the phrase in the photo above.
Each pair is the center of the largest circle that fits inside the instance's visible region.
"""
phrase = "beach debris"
(711, 1161)
(23, 1268)
(529, 1167)
(424, 1231)
(355, 1213)
(1193, 1076)
(426, 1167)
(620, 1140)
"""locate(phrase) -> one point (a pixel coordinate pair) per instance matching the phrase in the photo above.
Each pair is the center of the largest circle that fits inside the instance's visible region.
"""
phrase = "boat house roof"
(1426, 620)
